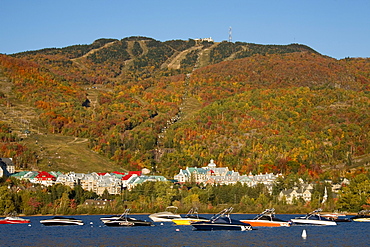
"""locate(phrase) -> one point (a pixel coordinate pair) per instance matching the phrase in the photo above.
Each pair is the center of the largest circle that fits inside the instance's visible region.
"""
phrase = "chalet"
(45, 178)
(6, 167)
(303, 192)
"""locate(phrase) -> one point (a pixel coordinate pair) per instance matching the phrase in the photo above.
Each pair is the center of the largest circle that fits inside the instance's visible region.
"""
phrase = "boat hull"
(5, 221)
(314, 222)
(127, 223)
(61, 222)
(367, 219)
(111, 218)
(164, 217)
(218, 227)
(186, 222)
(266, 223)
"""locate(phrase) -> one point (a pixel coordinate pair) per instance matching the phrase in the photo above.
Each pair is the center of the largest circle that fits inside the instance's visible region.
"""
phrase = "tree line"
(30, 199)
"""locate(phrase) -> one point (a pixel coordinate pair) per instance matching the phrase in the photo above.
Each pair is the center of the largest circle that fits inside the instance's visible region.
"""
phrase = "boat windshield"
(268, 214)
(224, 214)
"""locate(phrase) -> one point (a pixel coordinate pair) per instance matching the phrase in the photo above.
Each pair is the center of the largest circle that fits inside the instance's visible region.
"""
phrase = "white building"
(222, 175)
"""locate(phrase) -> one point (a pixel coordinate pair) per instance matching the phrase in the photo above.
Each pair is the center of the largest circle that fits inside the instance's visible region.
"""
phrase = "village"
(116, 182)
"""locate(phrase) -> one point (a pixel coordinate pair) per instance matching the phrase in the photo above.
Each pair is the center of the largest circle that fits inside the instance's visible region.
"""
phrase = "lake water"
(94, 233)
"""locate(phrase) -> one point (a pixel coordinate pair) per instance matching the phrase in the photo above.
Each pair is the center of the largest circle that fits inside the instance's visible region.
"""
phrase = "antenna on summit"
(230, 36)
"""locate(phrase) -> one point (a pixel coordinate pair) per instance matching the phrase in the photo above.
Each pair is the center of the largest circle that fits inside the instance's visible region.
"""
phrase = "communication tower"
(230, 36)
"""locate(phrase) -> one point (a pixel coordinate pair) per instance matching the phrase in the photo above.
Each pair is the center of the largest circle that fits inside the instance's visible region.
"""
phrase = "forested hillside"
(167, 105)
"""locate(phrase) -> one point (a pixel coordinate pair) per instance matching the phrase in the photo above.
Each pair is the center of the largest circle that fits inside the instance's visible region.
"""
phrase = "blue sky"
(336, 28)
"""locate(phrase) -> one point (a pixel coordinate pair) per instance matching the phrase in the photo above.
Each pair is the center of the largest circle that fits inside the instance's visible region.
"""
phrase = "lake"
(94, 233)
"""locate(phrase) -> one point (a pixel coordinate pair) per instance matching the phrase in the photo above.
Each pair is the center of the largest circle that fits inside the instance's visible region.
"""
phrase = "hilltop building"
(204, 39)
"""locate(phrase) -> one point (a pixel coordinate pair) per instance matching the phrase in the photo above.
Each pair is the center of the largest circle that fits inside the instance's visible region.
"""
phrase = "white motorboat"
(61, 221)
(314, 218)
(166, 216)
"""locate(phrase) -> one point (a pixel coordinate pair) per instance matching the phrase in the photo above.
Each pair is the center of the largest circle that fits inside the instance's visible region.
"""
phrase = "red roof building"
(45, 178)
(138, 173)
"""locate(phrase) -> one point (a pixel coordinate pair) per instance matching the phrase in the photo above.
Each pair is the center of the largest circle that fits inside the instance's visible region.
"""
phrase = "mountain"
(136, 58)
(141, 103)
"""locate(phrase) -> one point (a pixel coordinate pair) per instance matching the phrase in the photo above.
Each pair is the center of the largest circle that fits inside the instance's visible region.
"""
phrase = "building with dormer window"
(6, 167)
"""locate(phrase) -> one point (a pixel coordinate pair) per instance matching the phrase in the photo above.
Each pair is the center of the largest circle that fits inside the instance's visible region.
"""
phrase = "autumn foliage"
(277, 109)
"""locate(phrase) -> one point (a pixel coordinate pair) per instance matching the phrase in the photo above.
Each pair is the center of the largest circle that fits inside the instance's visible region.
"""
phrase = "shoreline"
(35, 215)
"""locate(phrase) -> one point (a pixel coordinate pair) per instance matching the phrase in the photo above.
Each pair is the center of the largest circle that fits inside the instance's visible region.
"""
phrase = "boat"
(109, 218)
(362, 216)
(61, 221)
(125, 220)
(267, 219)
(221, 221)
(313, 218)
(166, 216)
(116, 217)
(14, 220)
(337, 217)
(191, 216)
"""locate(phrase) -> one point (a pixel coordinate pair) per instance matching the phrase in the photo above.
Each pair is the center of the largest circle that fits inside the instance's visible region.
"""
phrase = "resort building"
(211, 174)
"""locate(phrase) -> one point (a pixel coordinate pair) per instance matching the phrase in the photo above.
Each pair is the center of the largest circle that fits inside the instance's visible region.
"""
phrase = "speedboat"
(222, 221)
(61, 221)
(14, 220)
(337, 217)
(125, 220)
(116, 217)
(166, 216)
(362, 216)
(191, 216)
(267, 218)
(110, 218)
(314, 218)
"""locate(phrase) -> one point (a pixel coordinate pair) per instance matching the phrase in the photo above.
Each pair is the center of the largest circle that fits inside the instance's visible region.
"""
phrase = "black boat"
(125, 220)
(222, 221)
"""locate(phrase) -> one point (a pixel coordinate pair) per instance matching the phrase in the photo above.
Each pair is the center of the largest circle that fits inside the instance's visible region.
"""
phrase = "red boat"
(14, 220)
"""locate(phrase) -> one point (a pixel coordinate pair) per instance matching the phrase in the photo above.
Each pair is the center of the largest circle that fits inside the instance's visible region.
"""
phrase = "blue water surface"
(94, 233)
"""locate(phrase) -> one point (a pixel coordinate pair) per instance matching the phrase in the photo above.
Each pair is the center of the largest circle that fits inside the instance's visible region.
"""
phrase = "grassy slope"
(57, 152)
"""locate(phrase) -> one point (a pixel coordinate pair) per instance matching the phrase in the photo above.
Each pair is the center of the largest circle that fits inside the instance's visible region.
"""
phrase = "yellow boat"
(191, 216)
